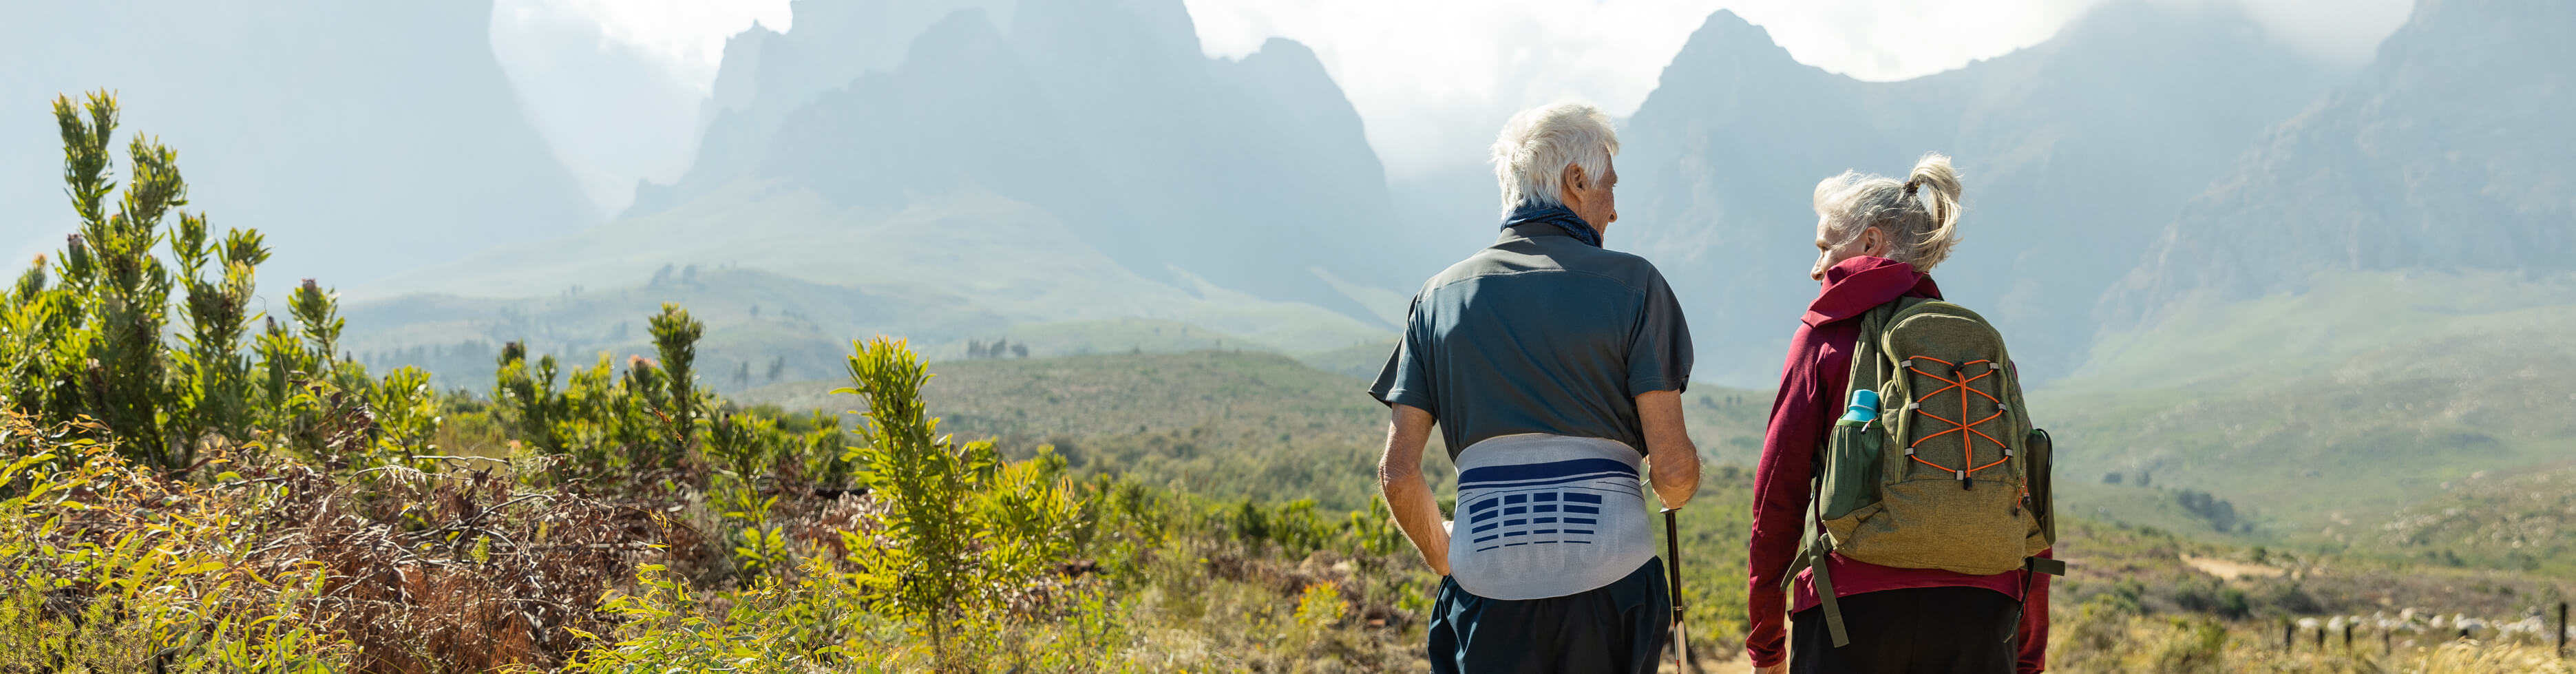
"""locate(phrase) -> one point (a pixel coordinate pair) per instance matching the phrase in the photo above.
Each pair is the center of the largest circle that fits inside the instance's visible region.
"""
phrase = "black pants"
(1931, 630)
(1620, 627)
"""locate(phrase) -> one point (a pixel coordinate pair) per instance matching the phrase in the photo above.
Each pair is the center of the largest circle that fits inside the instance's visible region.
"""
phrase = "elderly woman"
(1554, 369)
(1877, 240)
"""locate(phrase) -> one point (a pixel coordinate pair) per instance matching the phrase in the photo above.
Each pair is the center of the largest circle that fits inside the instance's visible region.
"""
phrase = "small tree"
(220, 395)
(98, 343)
(675, 336)
(527, 393)
(966, 524)
(923, 478)
(124, 288)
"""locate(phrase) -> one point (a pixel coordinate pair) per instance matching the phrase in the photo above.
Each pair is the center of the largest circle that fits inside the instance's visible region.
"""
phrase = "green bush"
(966, 526)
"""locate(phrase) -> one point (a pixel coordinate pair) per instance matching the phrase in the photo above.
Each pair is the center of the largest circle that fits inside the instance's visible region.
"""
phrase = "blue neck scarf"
(1555, 215)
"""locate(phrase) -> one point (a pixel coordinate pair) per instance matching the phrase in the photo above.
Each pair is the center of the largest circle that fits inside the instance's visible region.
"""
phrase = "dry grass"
(453, 573)
(412, 572)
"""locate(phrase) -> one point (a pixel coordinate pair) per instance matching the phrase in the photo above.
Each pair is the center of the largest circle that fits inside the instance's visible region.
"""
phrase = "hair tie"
(1909, 189)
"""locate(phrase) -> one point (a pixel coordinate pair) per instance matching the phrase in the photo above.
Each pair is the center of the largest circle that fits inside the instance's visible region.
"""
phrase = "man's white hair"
(1531, 155)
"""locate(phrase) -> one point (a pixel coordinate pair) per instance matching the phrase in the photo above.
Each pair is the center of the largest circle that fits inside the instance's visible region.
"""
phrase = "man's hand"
(1672, 462)
(1408, 496)
(1782, 668)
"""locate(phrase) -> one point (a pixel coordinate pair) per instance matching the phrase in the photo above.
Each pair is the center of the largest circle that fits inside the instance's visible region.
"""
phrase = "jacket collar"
(1856, 285)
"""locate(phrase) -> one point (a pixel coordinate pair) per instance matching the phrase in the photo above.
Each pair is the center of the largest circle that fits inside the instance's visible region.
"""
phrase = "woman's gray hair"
(1919, 215)
(1536, 145)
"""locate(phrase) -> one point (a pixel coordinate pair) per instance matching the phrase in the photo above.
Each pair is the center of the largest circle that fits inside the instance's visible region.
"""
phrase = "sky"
(1432, 79)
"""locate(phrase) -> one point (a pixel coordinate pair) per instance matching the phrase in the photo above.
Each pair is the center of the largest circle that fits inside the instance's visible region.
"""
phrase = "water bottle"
(1863, 407)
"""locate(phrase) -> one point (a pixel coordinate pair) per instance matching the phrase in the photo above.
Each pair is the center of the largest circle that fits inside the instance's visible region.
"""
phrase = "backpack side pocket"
(1851, 470)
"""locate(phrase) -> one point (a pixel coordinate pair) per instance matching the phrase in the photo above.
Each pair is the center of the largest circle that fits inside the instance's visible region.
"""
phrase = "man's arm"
(1672, 462)
(1408, 495)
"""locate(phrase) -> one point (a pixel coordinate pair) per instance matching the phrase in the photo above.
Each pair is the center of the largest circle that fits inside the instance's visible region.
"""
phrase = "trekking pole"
(2562, 630)
(1673, 567)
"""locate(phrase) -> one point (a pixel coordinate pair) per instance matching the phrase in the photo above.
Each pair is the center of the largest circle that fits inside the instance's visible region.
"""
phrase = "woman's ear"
(1873, 242)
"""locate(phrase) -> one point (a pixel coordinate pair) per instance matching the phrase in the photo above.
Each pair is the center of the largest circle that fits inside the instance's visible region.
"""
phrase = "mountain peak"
(1725, 34)
(1727, 58)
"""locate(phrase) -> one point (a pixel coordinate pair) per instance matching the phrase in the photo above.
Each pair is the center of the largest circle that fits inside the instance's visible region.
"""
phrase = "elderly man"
(1554, 369)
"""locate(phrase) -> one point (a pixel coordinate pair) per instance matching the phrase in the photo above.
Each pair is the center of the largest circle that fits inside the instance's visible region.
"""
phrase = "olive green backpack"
(1948, 473)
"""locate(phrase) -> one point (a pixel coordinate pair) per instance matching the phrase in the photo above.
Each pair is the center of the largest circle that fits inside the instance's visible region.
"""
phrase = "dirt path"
(2228, 569)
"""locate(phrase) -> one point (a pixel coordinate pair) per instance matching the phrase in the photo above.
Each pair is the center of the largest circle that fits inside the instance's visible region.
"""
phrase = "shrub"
(109, 568)
(965, 527)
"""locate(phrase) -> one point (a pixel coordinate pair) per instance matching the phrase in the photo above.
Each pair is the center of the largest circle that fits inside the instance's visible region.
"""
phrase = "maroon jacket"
(1811, 388)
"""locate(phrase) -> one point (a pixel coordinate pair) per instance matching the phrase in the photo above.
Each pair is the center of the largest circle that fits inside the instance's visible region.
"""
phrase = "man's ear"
(1572, 180)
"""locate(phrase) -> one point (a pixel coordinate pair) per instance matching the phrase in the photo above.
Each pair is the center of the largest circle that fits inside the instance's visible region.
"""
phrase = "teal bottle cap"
(1863, 407)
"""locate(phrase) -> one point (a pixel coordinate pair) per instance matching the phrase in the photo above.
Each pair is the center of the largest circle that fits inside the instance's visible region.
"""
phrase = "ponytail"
(1920, 215)
(1933, 187)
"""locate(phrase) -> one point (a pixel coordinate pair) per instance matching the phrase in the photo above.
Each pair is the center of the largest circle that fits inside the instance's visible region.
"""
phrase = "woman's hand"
(1782, 668)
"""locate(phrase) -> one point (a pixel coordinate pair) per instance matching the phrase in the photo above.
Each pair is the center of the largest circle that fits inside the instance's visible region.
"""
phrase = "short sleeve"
(1406, 379)
(1659, 347)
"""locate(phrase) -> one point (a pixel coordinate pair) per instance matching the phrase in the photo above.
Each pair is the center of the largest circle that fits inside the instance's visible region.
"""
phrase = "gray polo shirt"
(1539, 333)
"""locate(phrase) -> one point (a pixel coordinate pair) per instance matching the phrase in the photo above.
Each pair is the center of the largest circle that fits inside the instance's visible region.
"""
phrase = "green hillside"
(756, 318)
(2321, 413)
(1225, 423)
(1244, 423)
(764, 327)
(1358, 361)
(2521, 520)
(2337, 316)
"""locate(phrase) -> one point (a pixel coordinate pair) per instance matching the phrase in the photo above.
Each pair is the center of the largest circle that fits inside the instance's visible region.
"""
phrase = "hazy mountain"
(767, 75)
(613, 112)
(2447, 152)
(1203, 183)
(2073, 152)
(1247, 174)
(363, 138)
(2372, 305)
